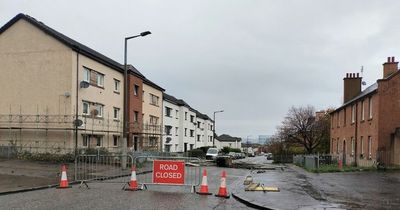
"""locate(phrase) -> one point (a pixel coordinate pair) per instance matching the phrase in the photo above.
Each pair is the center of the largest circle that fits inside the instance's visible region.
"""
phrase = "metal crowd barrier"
(91, 168)
(145, 166)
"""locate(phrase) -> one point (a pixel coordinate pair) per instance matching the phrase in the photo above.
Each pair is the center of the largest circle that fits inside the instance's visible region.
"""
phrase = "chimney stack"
(352, 86)
(389, 67)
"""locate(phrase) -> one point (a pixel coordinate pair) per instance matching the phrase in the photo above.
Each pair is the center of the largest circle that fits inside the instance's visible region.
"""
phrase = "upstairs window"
(198, 124)
(353, 113)
(168, 112)
(116, 113)
(153, 120)
(117, 85)
(370, 107)
(135, 116)
(168, 130)
(344, 117)
(191, 133)
(100, 110)
(136, 90)
(86, 74)
(192, 118)
(85, 108)
(153, 100)
(185, 115)
(99, 79)
(177, 114)
(362, 110)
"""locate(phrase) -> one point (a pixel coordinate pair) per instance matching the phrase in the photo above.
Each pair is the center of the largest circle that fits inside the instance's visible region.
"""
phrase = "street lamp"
(214, 126)
(125, 117)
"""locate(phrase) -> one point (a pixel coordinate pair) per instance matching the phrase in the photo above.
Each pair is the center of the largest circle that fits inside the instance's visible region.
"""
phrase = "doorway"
(344, 152)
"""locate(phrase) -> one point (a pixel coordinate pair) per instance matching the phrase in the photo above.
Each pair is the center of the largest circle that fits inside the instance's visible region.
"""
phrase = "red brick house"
(366, 128)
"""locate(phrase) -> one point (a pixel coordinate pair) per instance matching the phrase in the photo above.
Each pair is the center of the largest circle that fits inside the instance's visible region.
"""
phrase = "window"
(369, 147)
(85, 140)
(362, 110)
(198, 137)
(153, 120)
(176, 131)
(135, 116)
(153, 100)
(211, 127)
(191, 133)
(153, 141)
(117, 84)
(116, 113)
(192, 118)
(362, 145)
(85, 108)
(185, 115)
(352, 145)
(185, 131)
(198, 124)
(98, 141)
(136, 90)
(338, 119)
(86, 75)
(168, 130)
(177, 114)
(100, 110)
(99, 79)
(115, 141)
(210, 137)
(168, 112)
(353, 113)
(370, 108)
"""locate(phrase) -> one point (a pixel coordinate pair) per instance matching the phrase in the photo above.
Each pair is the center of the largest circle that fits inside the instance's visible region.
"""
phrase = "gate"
(176, 171)
(91, 168)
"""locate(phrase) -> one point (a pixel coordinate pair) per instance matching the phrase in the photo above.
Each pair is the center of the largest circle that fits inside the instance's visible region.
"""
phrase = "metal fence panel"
(8, 151)
(144, 166)
(89, 168)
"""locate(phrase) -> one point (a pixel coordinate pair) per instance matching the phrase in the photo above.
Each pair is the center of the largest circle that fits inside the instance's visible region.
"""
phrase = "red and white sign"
(168, 172)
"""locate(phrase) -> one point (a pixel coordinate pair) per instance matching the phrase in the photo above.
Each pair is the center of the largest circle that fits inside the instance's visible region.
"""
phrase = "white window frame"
(83, 108)
(85, 140)
(369, 147)
(154, 99)
(117, 85)
(86, 74)
(99, 141)
(353, 113)
(99, 79)
(100, 110)
(362, 145)
(370, 107)
(352, 146)
(116, 138)
(117, 111)
(136, 90)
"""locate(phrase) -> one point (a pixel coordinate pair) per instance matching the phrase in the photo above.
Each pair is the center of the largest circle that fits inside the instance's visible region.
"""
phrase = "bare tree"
(302, 127)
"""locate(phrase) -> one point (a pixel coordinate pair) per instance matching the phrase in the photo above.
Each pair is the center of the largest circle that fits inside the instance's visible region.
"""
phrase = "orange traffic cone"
(64, 179)
(204, 185)
(222, 192)
(133, 186)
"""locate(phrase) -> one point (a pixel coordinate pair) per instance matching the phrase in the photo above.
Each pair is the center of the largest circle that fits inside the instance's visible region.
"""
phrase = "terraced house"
(365, 130)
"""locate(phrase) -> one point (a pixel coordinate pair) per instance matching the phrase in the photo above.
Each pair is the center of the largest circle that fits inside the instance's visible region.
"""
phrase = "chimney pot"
(354, 75)
(388, 60)
(358, 75)
(393, 59)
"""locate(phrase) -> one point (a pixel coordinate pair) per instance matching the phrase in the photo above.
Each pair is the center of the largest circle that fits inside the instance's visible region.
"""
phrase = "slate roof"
(369, 90)
(228, 138)
(180, 102)
(76, 46)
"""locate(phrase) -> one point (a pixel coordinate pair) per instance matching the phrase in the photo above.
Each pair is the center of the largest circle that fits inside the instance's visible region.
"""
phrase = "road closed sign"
(168, 172)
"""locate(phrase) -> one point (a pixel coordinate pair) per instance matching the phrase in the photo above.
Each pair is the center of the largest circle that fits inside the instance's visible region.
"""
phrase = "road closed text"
(168, 172)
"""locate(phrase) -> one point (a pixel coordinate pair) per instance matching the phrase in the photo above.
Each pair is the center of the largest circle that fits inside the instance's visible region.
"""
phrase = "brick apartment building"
(366, 128)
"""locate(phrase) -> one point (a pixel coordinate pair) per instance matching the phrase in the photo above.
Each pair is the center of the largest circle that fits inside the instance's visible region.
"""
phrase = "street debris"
(251, 186)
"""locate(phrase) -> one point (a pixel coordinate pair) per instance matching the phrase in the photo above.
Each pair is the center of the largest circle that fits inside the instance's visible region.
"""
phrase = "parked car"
(212, 154)
(233, 155)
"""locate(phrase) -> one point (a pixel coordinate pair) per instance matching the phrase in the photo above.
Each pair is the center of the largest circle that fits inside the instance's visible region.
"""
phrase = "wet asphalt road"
(110, 196)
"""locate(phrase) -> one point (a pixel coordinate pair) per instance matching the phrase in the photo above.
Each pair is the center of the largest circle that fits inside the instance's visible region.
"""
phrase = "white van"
(212, 154)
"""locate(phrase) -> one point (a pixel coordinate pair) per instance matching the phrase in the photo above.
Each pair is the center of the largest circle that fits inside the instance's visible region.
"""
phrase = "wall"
(154, 110)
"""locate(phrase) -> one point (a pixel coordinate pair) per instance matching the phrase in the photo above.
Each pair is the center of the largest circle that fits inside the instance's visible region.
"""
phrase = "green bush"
(94, 151)
(227, 150)
(196, 153)
(47, 157)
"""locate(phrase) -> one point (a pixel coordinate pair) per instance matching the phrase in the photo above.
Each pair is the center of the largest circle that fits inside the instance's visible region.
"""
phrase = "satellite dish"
(78, 122)
(84, 84)
(168, 139)
(363, 83)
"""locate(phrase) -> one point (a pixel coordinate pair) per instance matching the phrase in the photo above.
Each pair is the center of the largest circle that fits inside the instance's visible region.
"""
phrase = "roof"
(180, 102)
(74, 45)
(228, 138)
(78, 47)
(369, 90)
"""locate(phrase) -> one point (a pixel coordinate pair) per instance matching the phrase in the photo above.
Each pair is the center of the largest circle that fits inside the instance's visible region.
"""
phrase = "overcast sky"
(252, 58)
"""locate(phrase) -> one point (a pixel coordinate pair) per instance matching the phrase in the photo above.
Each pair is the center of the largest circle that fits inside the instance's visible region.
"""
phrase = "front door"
(135, 143)
(185, 147)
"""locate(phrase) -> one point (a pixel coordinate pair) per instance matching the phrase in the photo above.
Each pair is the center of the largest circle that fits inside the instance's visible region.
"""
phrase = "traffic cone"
(222, 192)
(64, 179)
(204, 185)
(133, 185)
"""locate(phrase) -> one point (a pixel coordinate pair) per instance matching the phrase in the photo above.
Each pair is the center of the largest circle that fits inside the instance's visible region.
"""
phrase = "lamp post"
(125, 117)
(214, 126)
